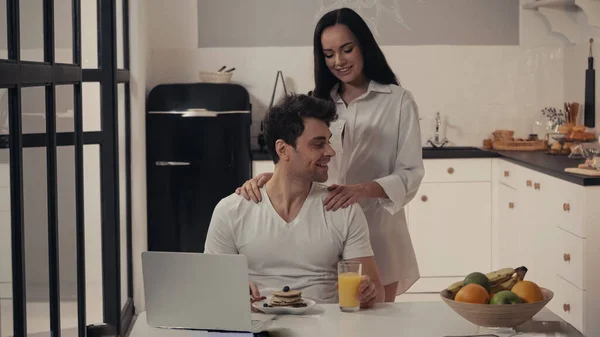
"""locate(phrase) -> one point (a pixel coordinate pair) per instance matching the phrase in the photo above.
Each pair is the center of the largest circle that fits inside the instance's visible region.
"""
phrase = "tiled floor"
(38, 315)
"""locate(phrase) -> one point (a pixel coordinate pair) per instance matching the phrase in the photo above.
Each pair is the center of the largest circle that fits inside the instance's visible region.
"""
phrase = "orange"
(472, 293)
(528, 291)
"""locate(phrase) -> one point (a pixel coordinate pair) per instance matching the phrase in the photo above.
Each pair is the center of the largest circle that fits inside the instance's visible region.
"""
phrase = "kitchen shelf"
(592, 9)
(548, 3)
(562, 23)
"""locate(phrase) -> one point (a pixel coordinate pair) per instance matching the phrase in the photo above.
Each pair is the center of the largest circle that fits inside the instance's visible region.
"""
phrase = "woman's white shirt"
(377, 137)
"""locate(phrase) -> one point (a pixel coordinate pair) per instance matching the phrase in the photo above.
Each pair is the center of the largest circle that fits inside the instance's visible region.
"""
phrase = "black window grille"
(17, 75)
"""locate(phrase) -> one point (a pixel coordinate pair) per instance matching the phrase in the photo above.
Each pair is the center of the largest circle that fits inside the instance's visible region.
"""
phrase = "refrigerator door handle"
(172, 163)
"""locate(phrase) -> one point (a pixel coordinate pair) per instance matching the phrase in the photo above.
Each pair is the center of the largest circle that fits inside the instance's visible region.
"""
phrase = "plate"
(283, 310)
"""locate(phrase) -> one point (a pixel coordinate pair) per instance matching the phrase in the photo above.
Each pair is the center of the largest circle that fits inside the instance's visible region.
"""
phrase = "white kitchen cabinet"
(449, 221)
(450, 228)
(262, 166)
(457, 170)
(559, 239)
(505, 236)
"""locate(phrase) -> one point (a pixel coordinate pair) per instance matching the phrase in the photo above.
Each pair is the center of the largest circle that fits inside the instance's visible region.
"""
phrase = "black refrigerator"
(193, 161)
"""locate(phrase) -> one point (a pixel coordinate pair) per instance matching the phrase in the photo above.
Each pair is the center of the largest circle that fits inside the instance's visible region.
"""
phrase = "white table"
(422, 319)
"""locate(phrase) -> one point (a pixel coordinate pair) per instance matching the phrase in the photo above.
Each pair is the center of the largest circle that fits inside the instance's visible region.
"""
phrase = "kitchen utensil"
(574, 112)
(220, 70)
(590, 90)
(497, 315)
(261, 136)
(230, 70)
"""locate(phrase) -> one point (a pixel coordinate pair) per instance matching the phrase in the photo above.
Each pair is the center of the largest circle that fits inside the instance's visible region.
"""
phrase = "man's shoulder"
(341, 215)
(234, 202)
(319, 190)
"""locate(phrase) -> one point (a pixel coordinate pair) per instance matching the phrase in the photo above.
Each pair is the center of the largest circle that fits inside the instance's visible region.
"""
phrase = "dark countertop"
(552, 165)
(428, 153)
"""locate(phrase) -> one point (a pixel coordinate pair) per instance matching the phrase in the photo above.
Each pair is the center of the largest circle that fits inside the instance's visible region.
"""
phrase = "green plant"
(556, 117)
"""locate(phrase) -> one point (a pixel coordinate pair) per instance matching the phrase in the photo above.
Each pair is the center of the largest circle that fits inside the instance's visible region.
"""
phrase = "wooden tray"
(525, 145)
(558, 152)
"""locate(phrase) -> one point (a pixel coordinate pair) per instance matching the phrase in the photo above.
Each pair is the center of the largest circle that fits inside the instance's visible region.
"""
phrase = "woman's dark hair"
(285, 120)
(375, 65)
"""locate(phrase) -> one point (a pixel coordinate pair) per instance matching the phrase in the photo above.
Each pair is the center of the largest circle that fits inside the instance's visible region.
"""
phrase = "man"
(289, 239)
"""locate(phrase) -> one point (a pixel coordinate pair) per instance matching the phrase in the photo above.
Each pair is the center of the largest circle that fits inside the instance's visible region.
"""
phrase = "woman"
(377, 139)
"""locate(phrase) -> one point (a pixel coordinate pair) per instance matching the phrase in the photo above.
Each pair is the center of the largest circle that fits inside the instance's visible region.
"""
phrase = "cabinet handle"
(172, 163)
(528, 183)
(506, 173)
(567, 257)
(450, 170)
(566, 207)
(511, 205)
(424, 198)
(566, 307)
(536, 186)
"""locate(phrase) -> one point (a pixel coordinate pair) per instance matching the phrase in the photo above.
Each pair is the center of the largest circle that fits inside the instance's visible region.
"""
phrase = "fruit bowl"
(497, 315)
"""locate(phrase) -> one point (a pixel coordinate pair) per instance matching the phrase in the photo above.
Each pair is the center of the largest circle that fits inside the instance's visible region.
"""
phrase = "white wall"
(568, 27)
(475, 88)
(139, 52)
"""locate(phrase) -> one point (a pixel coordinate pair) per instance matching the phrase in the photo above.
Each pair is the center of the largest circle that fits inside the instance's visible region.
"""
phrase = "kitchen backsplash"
(476, 89)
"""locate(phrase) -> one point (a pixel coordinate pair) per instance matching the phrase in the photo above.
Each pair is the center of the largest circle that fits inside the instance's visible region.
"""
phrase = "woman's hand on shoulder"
(251, 188)
(342, 196)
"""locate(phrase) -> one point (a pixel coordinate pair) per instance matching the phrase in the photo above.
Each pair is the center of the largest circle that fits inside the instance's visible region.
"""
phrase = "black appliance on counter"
(193, 160)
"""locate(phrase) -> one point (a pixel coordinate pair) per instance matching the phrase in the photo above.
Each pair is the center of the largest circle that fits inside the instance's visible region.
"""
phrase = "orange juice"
(348, 284)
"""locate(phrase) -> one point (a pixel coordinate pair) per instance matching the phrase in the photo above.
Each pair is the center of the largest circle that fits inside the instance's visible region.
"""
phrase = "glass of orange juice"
(349, 274)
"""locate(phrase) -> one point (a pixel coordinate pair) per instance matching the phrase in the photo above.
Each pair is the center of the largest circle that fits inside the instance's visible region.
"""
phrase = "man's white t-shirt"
(302, 254)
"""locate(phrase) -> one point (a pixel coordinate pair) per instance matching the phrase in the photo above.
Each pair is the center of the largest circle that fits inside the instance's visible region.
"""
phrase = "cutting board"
(583, 171)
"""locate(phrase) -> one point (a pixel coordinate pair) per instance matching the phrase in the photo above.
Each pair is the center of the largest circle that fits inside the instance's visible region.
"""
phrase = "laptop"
(199, 292)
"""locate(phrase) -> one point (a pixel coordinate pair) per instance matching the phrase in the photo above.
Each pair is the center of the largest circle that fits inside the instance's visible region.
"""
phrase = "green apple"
(505, 297)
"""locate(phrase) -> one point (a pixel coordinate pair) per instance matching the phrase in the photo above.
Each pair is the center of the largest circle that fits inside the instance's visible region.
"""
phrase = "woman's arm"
(402, 184)
(251, 188)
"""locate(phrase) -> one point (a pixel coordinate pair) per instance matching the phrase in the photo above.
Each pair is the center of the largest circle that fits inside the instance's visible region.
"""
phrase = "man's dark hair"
(285, 119)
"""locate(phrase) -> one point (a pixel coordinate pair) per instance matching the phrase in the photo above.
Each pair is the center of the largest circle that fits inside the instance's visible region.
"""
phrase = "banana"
(452, 289)
(521, 271)
(500, 275)
(501, 279)
(506, 285)
(455, 287)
